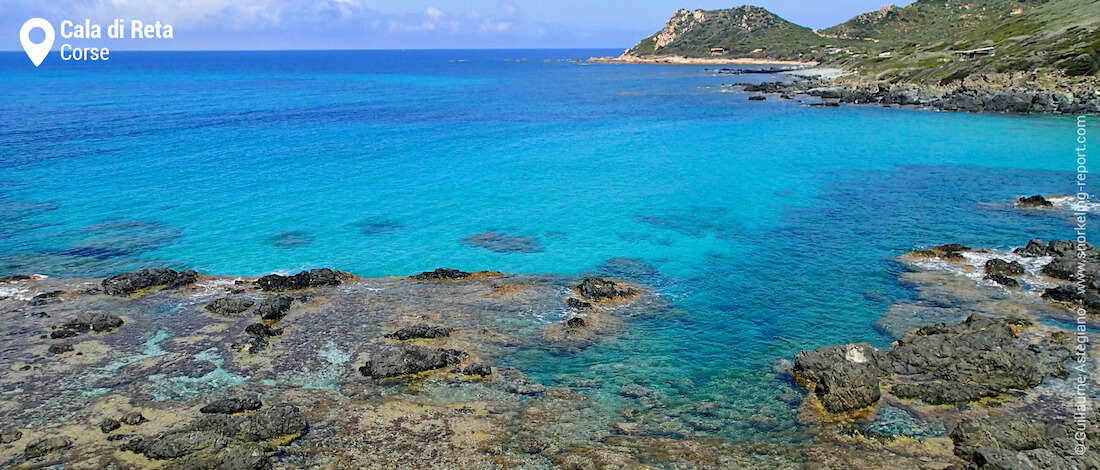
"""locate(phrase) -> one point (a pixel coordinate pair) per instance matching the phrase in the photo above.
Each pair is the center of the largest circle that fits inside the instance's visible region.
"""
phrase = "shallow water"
(771, 226)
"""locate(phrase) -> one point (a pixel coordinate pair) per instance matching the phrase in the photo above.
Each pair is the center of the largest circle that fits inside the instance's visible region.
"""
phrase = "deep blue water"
(771, 226)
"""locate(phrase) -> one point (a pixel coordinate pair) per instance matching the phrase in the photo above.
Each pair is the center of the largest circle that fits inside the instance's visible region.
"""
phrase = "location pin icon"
(37, 52)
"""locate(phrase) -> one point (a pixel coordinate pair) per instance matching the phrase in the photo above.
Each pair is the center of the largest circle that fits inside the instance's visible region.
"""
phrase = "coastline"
(185, 370)
(681, 60)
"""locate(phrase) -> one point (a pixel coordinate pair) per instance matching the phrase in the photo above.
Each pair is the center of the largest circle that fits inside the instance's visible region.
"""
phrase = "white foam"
(1072, 204)
(973, 267)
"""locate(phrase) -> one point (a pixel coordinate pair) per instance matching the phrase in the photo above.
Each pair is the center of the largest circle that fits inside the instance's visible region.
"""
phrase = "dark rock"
(7, 436)
(409, 360)
(262, 330)
(1063, 248)
(1004, 281)
(229, 306)
(133, 418)
(274, 308)
(1061, 268)
(306, 279)
(421, 331)
(1070, 295)
(232, 405)
(1034, 201)
(243, 457)
(135, 445)
(847, 387)
(1034, 247)
(1002, 267)
(95, 321)
(577, 304)
(45, 298)
(602, 289)
(757, 98)
(575, 322)
(478, 368)
(178, 444)
(501, 243)
(955, 364)
(108, 425)
(42, 447)
(128, 283)
(811, 366)
(279, 420)
(440, 274)
(60, 348)
(63, 333)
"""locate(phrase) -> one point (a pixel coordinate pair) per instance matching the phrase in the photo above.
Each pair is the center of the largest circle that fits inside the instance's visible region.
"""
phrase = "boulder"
(229, 306)
(61, 348)
(1004, 268)
(280, 421)
(323, 277)
(602, 289)
(811, 366)
(847, 387)
(108, 425)
(1034, 248)
(42, 447)
(95, 321)
(575, 323)
(274, 308)
(478, 368)
(409, 360)
(178, 444)
(1034, 201)
(129, 283)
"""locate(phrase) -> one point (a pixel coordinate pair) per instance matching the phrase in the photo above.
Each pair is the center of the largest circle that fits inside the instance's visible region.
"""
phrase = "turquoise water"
(771, 226)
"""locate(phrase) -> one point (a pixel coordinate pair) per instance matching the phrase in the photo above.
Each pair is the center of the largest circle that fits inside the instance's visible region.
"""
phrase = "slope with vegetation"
(933, 42)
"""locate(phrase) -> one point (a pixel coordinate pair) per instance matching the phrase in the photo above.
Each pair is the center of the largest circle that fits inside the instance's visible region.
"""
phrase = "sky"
(409, 24)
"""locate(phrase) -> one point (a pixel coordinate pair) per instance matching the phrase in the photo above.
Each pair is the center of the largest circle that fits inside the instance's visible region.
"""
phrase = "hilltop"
(741, 32)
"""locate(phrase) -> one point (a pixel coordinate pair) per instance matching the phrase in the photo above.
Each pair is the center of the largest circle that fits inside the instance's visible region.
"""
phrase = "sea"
(769, 226)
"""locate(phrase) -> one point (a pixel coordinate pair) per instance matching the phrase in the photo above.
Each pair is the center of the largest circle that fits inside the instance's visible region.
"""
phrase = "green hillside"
(928, 41)
(945, 41)
(745, 31)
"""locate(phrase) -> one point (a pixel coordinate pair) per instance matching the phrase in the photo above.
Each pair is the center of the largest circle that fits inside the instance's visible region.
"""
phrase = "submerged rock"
(441, 274)
(42, 447)
(128, 283)
(1004, 281)
(421, 331)
(501, 243)
(602, 289)
(1034, 201)
(409, 360)
(232, 405)
(323, 277)
(229, 306)
(7, 436)
(577, 304)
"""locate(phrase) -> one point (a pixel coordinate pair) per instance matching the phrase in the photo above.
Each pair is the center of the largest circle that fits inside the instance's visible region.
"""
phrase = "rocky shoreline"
(323, 369)
(970, 96)
(1002, 383)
